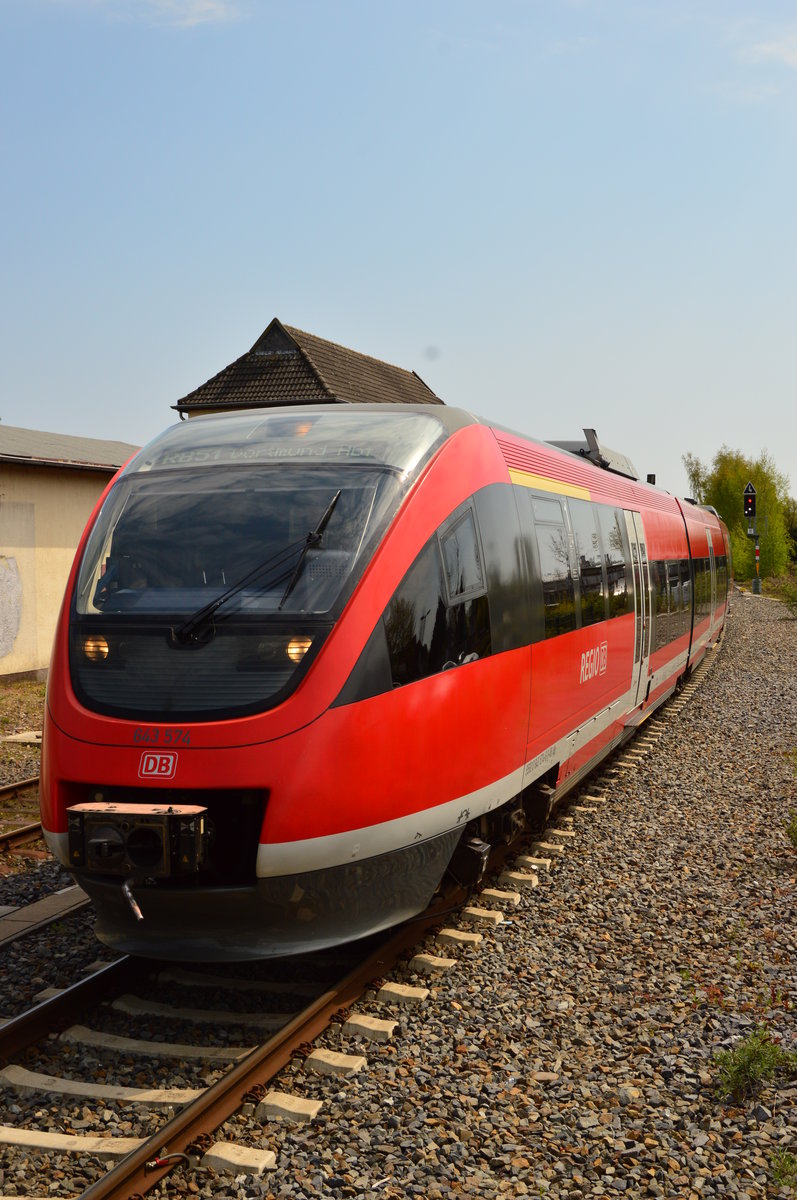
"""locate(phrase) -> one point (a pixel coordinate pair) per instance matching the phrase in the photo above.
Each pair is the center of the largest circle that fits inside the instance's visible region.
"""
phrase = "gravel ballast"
(572, 1052)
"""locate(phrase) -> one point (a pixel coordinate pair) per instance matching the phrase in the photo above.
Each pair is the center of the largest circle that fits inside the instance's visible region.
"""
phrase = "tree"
(790, 514)
(722, 485)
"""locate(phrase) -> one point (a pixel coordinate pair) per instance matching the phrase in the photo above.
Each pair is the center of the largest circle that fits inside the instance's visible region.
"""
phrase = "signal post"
(749, 495)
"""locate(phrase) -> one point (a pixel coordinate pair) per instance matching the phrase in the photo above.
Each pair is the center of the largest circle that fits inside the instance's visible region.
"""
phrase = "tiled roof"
(289, 366)
(61, 450)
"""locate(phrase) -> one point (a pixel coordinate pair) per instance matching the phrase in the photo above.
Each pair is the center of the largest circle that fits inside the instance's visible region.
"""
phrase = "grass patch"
(788, 594)
(783, 588)
(791, 829)
(784, 1169)
(755, 1061)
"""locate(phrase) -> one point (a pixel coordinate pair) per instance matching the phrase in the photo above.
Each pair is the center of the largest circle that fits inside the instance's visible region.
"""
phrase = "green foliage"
(790, 514)
(791, 829)
(722, 485)
(754, 1061)
(791, 825)
(787, 592)
(784, 1168)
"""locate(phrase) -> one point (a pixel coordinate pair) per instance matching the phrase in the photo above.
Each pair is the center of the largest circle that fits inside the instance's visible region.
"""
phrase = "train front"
(193, 664)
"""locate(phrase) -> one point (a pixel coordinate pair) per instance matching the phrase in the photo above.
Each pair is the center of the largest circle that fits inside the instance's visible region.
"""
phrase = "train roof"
(599, 455)
(613, 475)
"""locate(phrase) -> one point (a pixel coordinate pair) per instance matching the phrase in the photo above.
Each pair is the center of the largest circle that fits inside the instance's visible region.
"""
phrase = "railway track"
(200, 1136)
(18, 805)
(188, 1136)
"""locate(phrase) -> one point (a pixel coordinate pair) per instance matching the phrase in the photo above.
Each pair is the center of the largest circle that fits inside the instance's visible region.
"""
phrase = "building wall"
(43, 511)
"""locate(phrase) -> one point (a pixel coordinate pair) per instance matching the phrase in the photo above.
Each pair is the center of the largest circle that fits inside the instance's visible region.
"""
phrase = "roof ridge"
(380, 362)
(314, 367)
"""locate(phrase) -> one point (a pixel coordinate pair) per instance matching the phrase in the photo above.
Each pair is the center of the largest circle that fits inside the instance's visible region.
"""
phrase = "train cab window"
(590, 561)
(558, 588)
(616, 553)
(439, 616)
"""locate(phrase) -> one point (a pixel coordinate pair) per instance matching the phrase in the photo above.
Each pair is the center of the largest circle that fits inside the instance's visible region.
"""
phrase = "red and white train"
(310, 659)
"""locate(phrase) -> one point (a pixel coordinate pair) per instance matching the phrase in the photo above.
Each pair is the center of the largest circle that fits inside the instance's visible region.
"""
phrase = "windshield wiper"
(312, 540)
(188, 629)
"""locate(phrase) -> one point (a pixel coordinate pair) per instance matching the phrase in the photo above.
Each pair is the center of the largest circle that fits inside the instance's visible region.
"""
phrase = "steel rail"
(135, 1174)
(8, 790)
(11, 838)
(68, 1006)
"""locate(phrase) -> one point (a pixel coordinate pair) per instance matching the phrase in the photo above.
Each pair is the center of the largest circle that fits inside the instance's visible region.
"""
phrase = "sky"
(560, 213)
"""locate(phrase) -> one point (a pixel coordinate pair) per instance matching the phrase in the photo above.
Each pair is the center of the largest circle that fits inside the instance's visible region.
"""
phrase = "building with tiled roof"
(288, 366)
(50, 482)
(31, 447)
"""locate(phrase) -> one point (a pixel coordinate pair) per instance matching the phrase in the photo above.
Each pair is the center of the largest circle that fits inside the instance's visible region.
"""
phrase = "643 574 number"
(155, 735)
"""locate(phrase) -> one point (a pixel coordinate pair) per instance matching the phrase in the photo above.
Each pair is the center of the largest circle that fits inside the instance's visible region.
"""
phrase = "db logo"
(161, 766)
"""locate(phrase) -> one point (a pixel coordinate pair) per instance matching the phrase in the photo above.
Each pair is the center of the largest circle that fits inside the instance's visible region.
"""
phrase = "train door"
(641, 573)
(713, 568)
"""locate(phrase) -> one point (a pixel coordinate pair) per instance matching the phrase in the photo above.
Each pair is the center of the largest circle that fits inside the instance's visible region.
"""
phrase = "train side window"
(546, 510)
(464, 575)
(674, 586)
(616, 553)
(686, 593)
(427, 630)
(558, 588)
(515, 614)
(371, 675)
(413, 622)
(667, 587)
(698, 573)
(592, 572)
(722, 577)
(659, 604)
(703, 586)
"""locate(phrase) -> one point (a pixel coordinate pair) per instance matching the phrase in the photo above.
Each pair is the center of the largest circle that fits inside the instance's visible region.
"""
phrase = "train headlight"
(298, 647)
(96, 648)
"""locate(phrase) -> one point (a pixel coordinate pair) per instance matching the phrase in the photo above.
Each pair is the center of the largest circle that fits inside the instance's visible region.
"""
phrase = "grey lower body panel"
(276, 917)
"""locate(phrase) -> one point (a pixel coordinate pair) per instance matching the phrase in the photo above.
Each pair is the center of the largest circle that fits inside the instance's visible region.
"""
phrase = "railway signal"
(749, 495)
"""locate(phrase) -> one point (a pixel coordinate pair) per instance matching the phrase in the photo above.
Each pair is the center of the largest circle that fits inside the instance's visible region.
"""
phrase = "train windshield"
(251, 515)
(246, 540)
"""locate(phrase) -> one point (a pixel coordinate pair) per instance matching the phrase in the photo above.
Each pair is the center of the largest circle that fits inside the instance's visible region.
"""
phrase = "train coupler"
(155, 841)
